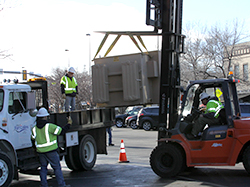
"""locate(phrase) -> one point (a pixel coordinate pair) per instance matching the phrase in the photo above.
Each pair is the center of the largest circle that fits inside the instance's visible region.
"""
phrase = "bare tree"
(194, 63)
(209, 52)
(4, 4)
(4, 54)
(54, 89)
(221, 43)
(84, 82)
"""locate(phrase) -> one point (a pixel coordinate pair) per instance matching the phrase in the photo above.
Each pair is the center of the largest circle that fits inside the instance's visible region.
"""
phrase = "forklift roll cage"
(228, 88)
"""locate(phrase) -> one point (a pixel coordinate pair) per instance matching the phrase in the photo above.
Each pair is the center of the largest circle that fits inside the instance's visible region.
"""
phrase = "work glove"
(76, 96)
(203, 109)
(64, 96)
(69, 120)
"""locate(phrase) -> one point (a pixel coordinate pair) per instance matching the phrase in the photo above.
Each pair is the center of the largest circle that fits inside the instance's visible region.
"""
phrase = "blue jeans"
(70, 101)
(110, 134)
(53, 159)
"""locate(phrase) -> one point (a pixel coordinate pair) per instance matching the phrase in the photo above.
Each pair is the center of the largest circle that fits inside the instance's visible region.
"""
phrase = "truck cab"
(15, 115)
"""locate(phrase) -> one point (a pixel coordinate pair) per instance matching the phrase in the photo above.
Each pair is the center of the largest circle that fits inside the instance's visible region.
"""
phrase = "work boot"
(111, 144)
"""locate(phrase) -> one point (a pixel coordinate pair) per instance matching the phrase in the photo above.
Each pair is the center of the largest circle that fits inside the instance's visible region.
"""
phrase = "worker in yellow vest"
(45, 136)
(209, 117)
(69, 89)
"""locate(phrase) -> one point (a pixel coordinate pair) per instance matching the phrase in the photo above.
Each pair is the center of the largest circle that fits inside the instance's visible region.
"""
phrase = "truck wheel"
(71, 159)
(246, 159)
(6, 170)
(87, 152)
(133, 124)
(146, 125)
(167, 160)
(119, 123)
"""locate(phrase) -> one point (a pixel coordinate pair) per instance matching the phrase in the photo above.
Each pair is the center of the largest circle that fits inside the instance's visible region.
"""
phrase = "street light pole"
(89, 54)
(68, 57)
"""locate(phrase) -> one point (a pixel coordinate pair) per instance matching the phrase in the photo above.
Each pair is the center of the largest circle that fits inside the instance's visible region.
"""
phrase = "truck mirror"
(33, 112)
(31, 100)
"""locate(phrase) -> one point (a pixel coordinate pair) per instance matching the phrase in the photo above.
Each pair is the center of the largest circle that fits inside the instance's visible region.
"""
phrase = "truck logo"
(217, 145)
(20, 128)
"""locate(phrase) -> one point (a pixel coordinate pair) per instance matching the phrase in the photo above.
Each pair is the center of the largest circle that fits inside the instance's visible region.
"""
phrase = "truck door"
(19, 120)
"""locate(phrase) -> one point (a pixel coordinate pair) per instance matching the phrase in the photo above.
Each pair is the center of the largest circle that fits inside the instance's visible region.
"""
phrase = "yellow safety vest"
(46, 137)
(70, 85)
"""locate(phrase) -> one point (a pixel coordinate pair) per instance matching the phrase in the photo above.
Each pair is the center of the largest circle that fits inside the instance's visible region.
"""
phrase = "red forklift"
(224, 144)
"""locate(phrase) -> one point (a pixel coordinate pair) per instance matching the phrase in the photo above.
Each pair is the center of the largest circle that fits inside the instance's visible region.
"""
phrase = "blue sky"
(216, 11)
(37, 32)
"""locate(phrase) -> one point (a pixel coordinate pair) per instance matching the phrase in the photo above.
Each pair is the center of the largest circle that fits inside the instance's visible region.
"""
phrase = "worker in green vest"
(69, 89)
(45, 136)
(210, 117)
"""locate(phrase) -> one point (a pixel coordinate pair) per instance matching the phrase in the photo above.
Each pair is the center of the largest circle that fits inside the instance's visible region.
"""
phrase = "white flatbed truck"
(18, 107)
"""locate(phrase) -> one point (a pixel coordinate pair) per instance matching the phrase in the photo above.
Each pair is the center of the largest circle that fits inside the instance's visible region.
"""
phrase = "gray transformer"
(126, 80)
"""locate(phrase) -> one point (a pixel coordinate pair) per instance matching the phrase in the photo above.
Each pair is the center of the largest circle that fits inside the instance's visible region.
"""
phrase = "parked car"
(245, 109)
(131, 121)
(147, 118)
(120, 119)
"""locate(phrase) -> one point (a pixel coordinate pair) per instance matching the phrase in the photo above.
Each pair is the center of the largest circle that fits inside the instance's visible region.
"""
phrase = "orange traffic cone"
(122, 156)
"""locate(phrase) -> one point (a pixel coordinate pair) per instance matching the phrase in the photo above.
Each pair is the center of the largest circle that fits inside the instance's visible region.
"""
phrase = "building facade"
(240, 65)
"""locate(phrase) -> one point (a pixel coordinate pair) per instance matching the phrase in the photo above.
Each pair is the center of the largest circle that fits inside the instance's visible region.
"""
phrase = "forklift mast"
(168, 17)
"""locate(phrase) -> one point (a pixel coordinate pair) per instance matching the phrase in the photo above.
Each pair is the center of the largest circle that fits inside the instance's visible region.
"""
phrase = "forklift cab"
(222, 89)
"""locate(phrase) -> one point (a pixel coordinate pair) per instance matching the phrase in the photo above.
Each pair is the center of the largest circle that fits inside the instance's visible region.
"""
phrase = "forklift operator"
(210, 117)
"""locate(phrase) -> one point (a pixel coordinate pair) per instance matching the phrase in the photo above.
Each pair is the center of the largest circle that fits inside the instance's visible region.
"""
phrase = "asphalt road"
(138, 146)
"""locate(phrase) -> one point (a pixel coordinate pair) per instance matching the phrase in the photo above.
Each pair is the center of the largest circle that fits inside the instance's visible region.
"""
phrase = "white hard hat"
(71, 70)
(42, 112)
(204, 96)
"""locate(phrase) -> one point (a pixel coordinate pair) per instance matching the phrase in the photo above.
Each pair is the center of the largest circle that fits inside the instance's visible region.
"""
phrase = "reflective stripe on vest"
(34, 133)
(217, 109)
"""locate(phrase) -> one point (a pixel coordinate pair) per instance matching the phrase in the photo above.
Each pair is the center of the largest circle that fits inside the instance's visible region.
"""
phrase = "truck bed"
(85, 119)
(93, 122)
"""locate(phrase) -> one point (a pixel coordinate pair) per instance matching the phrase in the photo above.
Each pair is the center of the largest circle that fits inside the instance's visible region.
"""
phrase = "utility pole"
(68, 57)
(89, 53)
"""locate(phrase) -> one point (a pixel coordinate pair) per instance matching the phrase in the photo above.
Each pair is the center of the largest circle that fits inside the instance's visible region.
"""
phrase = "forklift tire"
(246, 159)
(6, 170)
(167, 160)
